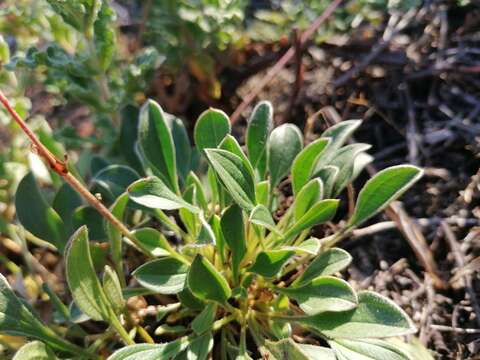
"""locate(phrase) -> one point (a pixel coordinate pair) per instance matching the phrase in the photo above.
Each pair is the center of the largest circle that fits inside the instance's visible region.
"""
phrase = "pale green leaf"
(114, 235)
(37, 216)
(287, 349)
(229, 143)
(200, 347)
(153, 241)
(374, 317)
(284, 144)
(319, 213)
(210, 129)
(233, 230)
(314, 352)
(367, 349)
(151, 351)
(153, 193)
(304, 163)
(113, 289)
(164, 276)
(156, 143)
(310, 246)
(307, 197)
(82, 280)
(183, 149)
(237, 179)
(344, 160)
(259, 126)
(206, 283)
(204, 320)
(324, 293)
(328, 175)
(327, 263)
(269, 263)
(261, 216)
(382, 189)
(34, 350)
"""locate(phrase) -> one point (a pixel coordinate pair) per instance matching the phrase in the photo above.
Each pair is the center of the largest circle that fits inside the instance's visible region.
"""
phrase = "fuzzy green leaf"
(262, 192)
(307, 197)
(210, 129)
(82, 280)
(234, 175)
(328, 175)
(156, 143)
(183, 148)
(233, 229)
(382, 189)
(201, 198)
(153, 241)
(325, 293)
(200, 347)
(34, 350)
(189, 300)
(18, 320)
(304, 163)
(204, 320)
(206, 234)
(114, 235)
(37, 216)
(315, 352)
(374, 317)
(230, 144)
(113, 289)
(338, 134)
(269, 263)
(153, 193)
(260, 215)
(310, 246)
(327, 263)
(206, 283)
(344, 160)
(373, 349)
(105, 36)
(287, 349)
(320, 213)
(284, 144)
(151, 351)
(259, 126)
(164, 276)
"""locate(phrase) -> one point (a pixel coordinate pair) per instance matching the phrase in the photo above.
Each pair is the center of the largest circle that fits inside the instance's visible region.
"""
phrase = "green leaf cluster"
(215, 247)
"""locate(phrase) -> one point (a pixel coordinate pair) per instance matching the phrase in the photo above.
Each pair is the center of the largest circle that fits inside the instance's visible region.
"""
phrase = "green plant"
(268, 24)
(78, 57)
(239, 273)
(197, 35)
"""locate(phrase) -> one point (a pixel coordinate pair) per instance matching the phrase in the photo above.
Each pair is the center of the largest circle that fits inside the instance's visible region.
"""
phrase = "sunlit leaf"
(382, 189)
(284, 144)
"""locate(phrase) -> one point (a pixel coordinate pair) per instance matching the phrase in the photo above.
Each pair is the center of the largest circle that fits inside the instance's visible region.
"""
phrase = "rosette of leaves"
(237, 276)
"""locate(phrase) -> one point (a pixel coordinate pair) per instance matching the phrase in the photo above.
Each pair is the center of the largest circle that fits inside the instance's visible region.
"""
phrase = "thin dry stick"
(461, 263)
(60, 167)
(284, 60)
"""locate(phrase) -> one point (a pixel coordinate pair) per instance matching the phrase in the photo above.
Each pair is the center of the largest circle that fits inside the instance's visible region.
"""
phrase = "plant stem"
(217, 325)
(60, 167)
(120, 330)
(278, 316)
(145, 335)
